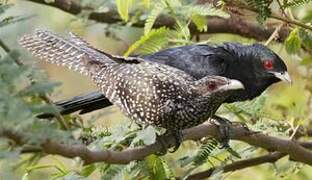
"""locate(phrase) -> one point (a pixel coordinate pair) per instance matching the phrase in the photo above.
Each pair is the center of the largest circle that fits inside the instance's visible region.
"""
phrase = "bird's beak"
(233, 84)
(284, 76)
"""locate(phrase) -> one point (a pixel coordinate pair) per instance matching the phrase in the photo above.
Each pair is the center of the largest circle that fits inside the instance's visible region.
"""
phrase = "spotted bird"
(149, 93)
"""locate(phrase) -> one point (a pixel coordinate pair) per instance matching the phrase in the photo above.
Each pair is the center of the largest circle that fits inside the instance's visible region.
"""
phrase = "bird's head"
(256, 66)
(216, 85)
(267, 64)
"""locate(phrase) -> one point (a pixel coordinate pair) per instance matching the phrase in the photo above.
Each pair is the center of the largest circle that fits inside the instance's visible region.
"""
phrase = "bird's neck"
(210, 101)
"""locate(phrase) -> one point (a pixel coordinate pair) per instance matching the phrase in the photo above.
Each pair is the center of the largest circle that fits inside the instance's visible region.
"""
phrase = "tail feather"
(61, 51)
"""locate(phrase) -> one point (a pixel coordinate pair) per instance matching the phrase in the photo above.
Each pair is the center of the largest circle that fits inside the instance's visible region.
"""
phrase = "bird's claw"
(224, 127)
(178, 139)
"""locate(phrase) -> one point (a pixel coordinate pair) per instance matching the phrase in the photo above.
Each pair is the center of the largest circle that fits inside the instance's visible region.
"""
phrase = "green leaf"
(206, 10)
(147, 135)
(204, 152)
(294, 3)
(306, 38)
(293, 42)
(158, 8)
(152, 42)
(88, 170)
(233, 152)
(262, 7)
(182, 30)
(112, 171)
(200, 22)
(123, 7)
(158, 168)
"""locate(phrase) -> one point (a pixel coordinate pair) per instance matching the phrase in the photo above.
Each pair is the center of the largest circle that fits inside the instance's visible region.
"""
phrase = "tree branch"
(232, 25)
(269, 158)
(291, 148)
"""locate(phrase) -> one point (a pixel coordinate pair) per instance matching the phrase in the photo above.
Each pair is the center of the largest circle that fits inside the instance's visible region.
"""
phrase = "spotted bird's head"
(217, 85)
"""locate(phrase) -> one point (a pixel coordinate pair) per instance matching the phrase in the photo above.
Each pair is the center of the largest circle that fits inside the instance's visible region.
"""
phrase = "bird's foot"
(225, 129)
(178, 139)
(224, 126)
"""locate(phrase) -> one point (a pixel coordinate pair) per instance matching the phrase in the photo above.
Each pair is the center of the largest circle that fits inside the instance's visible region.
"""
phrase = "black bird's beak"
(284, 76)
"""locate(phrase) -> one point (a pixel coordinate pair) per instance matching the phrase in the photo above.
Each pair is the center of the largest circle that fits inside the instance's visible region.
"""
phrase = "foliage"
(205, 152)
(151, 42)
(262, 7)
(293, 3)
(123, 7)
(293, 42)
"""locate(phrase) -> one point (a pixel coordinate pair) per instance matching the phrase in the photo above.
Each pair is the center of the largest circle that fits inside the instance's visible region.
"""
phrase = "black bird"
(256, 66)
(150, 93)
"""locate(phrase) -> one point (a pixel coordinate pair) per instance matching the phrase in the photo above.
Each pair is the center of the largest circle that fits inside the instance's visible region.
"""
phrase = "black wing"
(196, 60)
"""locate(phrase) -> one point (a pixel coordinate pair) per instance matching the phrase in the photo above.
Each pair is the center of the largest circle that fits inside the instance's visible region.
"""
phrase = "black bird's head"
(257, 67)
(268, 64)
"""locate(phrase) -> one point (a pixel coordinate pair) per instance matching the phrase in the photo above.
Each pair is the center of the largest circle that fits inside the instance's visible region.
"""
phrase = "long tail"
(83, 104)
(63, 51)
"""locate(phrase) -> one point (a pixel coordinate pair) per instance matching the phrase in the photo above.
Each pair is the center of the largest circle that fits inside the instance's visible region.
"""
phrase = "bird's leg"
(178, 139)
(225, 130)
(224, 126)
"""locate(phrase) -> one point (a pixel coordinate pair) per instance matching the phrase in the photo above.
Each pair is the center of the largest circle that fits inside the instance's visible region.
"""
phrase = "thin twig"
(274, 34)
(282, 8)
(291, 22)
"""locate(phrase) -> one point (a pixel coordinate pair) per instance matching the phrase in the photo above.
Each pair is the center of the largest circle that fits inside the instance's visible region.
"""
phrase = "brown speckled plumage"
(149, 93)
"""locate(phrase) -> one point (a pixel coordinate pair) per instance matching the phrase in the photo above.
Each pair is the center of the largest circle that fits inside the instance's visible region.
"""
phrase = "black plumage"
(150, 93)
(256, 66)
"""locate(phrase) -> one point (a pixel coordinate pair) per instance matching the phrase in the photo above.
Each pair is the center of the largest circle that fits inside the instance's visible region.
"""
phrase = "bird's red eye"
(268, 64)
(212, 85)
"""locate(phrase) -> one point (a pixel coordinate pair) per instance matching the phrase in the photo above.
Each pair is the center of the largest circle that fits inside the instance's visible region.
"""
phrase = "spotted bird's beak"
(284, 76)
(233, 84)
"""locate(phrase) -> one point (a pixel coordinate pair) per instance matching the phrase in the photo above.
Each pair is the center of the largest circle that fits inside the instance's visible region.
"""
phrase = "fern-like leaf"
(200, 22)
(158, 168)
(123, 7)
(112, 171)
(158, 8)
(205, 152)
(294, 3)
(152, 42)
(206, 10)
(262, 7)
